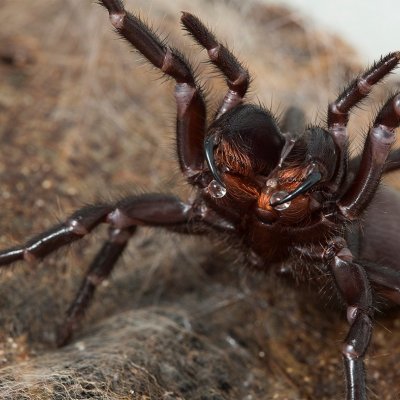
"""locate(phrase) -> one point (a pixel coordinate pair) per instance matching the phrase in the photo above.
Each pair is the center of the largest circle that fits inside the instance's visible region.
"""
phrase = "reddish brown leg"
(100, 268)
(352, 282)
(147, 210)
(191, 116)
(294, 121)
(238, 78)
(385, 280)
(74, 228)
(150, 209)
(376, 149)
(339, 110)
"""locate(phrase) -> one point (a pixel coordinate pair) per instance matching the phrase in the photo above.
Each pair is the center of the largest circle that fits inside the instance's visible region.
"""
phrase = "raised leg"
(352, 282)
(376, 149)
(237, 77)
(191, 116)
(339, 110)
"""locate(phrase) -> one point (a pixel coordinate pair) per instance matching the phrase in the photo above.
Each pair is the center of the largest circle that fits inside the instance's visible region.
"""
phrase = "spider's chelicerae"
(281, 192)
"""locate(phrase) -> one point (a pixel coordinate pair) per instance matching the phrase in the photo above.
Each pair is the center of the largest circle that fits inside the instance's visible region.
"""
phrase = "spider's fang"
(210, 142)
(313, 178)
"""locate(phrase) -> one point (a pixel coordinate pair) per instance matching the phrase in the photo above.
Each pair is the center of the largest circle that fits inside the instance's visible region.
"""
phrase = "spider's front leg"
(237, 77)
(376, 150)
(191, 116)
(148, 210)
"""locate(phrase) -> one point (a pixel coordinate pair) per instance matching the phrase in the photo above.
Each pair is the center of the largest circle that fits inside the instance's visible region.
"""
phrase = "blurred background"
(372, 28)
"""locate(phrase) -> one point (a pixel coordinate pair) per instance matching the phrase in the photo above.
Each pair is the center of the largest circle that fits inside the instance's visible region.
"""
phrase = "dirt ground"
(83, 118)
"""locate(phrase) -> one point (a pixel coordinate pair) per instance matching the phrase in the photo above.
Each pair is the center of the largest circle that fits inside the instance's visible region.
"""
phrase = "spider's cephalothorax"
(278, 189)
